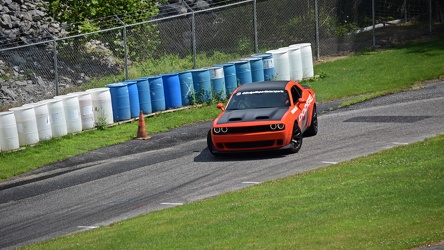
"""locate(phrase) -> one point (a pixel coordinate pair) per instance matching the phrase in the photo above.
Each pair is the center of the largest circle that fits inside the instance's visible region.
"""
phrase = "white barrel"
(43, 120)
(307, 59)
(28, 133)
(9, 139)
(56, 117)
(216, 72)
(86, 109)
(102, 106)
(217, 79)
(281, 64)
(295, 61)
(72, 112)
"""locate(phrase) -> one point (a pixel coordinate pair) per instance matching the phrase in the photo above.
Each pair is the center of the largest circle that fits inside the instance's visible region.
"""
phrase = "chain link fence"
(38, 71)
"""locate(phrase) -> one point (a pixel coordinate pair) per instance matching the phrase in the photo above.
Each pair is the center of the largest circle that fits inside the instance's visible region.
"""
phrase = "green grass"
(365, 75)
(393, 199)
(166, 64)
(380, 72)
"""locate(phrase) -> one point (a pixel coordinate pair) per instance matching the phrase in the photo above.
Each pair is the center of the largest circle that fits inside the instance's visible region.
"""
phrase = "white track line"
(88, 227)
(251, 182)
(399, 143)
(329, 162)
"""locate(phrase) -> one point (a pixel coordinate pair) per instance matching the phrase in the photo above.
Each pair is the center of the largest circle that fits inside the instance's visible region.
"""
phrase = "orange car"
(273, 115)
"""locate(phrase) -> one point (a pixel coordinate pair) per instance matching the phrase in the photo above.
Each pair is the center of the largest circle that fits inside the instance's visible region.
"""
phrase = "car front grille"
(254, 144)
(249, 129)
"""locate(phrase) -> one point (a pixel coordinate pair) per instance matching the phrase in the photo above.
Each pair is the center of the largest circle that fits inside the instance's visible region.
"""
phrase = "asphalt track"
(175, 167)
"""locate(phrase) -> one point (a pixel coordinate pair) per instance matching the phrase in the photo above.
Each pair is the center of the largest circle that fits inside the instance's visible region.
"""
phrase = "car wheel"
(210, 143)
(296, 139)
(313, 129)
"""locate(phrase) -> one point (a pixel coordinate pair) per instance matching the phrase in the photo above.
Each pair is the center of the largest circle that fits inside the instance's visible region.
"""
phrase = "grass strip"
(56, 149)
(380, 72)
(393, 199)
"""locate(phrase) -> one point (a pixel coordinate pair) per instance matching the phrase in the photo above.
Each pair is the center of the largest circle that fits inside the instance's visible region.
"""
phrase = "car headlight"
(220, 130)
(279, 126)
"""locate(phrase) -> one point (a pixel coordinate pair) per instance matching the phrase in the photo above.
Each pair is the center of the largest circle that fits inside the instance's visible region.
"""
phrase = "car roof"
(269, 85)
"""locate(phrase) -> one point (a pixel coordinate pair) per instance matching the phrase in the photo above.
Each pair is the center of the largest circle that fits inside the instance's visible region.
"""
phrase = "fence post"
(373, 23)
(255, 26)
(404, 6)
(317, 30)
(193, 34)
(56, 71)
(430, 16)
(124, 45)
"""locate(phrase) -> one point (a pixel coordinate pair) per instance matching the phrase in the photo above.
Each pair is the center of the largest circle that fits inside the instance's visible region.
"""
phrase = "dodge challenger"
(264, 116)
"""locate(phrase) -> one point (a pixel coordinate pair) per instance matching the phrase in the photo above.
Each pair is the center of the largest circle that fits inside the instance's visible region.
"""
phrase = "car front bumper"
(263, 141)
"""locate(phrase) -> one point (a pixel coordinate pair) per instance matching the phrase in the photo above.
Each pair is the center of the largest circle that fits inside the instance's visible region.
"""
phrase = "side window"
(296, 93)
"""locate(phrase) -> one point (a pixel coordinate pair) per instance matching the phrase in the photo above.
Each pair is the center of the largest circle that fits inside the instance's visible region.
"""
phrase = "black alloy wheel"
(296, 139)
(313, 129)
(210, 143)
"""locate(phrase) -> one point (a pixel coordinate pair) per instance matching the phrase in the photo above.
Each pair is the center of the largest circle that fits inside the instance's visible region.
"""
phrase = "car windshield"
(259, 99)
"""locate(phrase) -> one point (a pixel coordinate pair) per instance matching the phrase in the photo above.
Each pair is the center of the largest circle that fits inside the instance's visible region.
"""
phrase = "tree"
(93, 15)
(80, 16)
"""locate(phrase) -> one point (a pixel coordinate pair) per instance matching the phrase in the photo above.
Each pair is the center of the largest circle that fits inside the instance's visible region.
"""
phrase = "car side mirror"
(301, 100)
(221, 106)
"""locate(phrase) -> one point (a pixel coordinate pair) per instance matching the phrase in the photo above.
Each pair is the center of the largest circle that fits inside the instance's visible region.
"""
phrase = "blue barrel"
(202, 84)
(257, 68)
(120, 101)
(157, 94)
(218, 82)
(186, 87)
(171, 88)
(133, 97)
(230, 77)
(144, 95)
(268, 64)
(243, 72)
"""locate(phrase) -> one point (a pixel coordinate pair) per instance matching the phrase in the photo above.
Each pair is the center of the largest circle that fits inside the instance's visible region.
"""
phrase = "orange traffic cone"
(141, 131)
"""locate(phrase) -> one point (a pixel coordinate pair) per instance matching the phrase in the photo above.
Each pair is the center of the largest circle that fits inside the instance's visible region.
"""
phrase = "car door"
(303, 102)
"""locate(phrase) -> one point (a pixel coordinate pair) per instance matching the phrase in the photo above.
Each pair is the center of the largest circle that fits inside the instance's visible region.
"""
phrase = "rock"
(37, 80)
(9, 93)
(201, 5)
(13, 7)
(190, 2)
(27, 16)
(17, 59)
(37, 15)
(25, 28)
(5, 21)
(178, 8)
(21, 83)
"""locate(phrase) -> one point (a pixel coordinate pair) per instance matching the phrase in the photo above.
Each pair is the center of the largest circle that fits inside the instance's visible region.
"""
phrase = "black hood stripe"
(251, 115)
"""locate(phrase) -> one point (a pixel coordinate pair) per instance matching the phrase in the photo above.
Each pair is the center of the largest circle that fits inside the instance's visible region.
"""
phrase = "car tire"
(210, 143)
(296, 139)
(313, 129)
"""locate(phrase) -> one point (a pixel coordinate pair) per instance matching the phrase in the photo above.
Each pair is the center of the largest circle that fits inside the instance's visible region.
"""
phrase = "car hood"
(251, 115)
